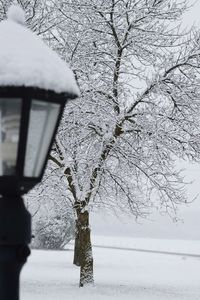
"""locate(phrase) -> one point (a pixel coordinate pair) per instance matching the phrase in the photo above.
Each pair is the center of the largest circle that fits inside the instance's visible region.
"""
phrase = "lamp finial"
(16, 14)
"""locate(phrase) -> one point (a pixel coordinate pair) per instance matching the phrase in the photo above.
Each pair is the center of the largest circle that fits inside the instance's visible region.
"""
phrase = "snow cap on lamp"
(25, 60)
(16, 13)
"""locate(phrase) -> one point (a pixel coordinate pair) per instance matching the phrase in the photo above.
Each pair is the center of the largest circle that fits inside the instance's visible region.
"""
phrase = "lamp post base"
(15, 235)
(12, 259)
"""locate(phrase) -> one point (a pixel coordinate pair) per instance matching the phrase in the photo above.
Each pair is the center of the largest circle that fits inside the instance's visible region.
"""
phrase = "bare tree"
(52, 215)
(139, 108)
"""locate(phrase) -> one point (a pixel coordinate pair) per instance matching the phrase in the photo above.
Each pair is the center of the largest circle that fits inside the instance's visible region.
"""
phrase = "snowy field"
(119, 274)
(149, 244)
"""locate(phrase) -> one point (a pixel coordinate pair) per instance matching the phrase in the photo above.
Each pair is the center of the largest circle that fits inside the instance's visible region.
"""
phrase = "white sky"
(192, 17)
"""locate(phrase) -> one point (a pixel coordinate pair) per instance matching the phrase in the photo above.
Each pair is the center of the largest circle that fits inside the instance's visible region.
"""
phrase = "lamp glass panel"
(43, 119)
(10, 116)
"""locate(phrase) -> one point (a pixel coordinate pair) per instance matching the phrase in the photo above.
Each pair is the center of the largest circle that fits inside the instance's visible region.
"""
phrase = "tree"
(52, 214)
(139, 109)
(53, 231)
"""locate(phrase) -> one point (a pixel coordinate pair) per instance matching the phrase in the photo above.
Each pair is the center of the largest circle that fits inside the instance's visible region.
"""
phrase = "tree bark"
(77, 245)
(83, 249)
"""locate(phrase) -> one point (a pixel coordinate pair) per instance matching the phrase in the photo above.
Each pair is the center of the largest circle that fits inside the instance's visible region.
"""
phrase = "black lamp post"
(29, 118)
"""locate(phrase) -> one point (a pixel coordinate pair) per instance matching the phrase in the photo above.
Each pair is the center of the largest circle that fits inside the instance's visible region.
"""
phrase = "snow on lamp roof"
(26, 61)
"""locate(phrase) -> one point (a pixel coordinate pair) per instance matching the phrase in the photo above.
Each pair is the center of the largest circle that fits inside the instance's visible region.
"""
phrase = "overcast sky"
(193, 15)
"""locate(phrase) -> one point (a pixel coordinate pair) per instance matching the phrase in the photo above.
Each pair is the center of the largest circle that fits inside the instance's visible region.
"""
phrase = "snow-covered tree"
(53, 220)
(139, 108)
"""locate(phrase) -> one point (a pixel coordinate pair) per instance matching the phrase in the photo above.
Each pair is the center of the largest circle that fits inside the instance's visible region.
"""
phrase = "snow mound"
(25, 60)
(15, 13)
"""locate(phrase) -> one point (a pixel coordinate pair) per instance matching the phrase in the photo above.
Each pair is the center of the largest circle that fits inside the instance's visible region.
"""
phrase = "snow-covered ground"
(119, 274)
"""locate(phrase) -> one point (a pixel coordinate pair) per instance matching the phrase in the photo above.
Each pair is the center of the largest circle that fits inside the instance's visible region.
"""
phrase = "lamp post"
(35, 84)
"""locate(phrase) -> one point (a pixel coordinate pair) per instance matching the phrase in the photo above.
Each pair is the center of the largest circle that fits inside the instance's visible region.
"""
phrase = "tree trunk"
(77, 245)
(83, 249)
